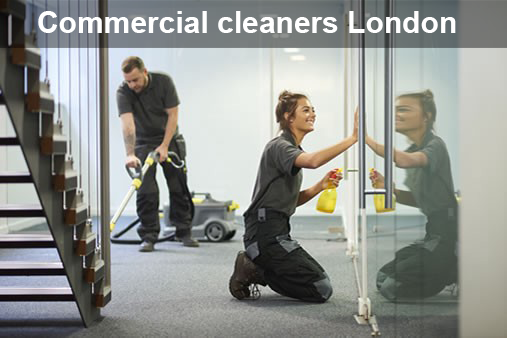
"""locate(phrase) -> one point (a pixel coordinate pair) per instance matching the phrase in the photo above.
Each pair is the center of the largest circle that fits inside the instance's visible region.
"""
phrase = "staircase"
(44, 148)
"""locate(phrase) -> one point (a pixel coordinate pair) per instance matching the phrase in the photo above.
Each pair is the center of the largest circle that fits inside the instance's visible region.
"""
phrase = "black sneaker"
(146, 246)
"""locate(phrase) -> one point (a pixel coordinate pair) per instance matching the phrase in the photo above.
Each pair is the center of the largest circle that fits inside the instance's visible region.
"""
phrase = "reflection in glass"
(423, 268)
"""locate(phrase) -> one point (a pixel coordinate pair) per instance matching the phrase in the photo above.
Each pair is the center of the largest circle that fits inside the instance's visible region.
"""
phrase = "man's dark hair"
(132, 62)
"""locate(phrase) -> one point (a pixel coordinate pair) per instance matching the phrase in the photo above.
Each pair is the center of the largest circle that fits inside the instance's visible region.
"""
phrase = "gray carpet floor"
(183, 292)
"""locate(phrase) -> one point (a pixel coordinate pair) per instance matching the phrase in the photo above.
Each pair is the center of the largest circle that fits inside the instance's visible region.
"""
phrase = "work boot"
(146, 246)
(185, 236)
(189, 241)
(245, 273)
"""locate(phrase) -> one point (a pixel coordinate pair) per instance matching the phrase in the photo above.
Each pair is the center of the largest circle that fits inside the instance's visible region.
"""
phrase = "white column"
(483, 210)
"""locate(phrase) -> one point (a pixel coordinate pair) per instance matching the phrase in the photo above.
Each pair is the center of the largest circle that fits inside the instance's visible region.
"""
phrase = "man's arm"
(401, 158)
(129, 138)
(170, 129)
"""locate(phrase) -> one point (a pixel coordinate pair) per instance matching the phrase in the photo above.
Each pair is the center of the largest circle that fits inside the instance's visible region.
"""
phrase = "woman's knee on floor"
(389, 288)
(381, 277)
(324, 290)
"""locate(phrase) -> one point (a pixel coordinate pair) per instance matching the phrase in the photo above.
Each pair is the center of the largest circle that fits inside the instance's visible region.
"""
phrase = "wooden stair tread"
(69, 173)
(18, 206)
(21, 210)
(81, 207)
(23, 235)
(15, 177)
(9, 141)
(96, 273)
(36, 294)
(86, 246)
(26, 54)
(45, 291)
(76, 215)
(14, 268)
(40, 102)
(59, 138)
(26, 241)
(54, 144)
(66, 181)
(31, 265)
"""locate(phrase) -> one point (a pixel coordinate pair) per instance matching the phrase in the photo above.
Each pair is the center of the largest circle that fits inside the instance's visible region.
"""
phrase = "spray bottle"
(380, 200)
(327, 200)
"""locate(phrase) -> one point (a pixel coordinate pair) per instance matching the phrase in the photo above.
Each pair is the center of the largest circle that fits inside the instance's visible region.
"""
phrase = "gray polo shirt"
(278, 180)
(432, 185)
(149, 107)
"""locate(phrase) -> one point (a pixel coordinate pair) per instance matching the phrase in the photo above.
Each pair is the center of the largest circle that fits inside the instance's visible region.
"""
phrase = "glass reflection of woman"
(424, 268)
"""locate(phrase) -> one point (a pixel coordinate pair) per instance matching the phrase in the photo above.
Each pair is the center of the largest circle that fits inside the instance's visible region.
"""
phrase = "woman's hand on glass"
(356, 124)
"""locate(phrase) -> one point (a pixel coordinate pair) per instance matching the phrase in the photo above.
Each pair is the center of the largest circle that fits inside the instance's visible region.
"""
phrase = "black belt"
(449, 213)
(264, 214)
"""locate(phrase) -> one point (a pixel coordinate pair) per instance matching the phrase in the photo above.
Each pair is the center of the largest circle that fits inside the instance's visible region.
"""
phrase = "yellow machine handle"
(137, 175)
(233, 206)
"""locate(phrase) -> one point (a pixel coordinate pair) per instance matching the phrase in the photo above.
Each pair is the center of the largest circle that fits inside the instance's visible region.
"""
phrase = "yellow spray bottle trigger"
(333, 175)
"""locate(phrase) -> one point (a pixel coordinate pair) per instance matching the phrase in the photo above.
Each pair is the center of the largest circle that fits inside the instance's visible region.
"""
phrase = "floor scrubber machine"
(212, 220)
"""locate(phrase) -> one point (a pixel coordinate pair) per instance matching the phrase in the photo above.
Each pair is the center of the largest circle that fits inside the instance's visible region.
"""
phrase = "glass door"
(410, 250)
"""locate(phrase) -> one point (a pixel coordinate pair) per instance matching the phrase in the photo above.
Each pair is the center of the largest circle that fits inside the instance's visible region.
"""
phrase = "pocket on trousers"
(250, 233)
(181, 146)
(287, 243)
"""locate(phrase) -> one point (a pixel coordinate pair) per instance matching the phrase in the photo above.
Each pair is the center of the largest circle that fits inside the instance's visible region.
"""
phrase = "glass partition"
(412, 263)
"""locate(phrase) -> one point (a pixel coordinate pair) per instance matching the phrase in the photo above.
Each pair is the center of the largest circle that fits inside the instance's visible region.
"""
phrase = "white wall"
(483, 232)
(226, 115)
(320, 76)
(73, 75)
(226, 110)
(222, 115)
(12, 160)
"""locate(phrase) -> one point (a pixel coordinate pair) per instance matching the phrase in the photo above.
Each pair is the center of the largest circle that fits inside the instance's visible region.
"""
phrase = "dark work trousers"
(422, 269)
(180, 214)
(288, 269)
